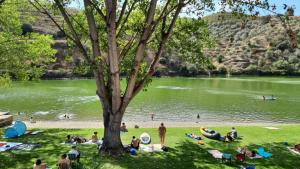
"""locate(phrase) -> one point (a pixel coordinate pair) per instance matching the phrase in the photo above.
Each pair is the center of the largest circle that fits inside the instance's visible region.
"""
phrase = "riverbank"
(145, 124)
(183, 152)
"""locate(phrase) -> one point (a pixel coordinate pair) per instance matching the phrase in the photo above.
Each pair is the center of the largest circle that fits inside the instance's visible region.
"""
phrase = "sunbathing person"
(39, 165)
(63, 162)
(123, 128)
(78, 139)
(135, 143)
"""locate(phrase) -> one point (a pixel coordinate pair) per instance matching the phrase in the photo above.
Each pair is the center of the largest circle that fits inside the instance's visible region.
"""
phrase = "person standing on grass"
(162, 134)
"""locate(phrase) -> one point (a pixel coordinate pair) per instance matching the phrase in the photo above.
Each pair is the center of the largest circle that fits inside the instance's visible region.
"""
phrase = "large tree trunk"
(112, 144)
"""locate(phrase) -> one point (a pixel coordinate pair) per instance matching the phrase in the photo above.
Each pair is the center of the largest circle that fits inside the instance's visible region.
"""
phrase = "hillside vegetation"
(243, 46)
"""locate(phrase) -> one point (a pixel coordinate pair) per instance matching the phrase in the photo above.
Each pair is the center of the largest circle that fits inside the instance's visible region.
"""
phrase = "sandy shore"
(147, 124)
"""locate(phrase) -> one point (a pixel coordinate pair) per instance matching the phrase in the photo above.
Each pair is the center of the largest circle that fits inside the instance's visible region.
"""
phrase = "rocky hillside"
(257, 46)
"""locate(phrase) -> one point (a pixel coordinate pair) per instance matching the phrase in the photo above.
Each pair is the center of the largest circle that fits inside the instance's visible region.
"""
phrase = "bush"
(281, 65)
(251, 69)
(220, 58)
(222, 70)
(26, 28)
(293, 59)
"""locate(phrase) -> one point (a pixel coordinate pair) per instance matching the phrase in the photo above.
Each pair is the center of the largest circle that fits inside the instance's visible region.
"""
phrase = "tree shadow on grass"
(185, 154)
(49, 152)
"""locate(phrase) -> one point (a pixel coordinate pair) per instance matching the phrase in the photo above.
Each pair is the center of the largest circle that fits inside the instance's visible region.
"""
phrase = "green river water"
(235, 99)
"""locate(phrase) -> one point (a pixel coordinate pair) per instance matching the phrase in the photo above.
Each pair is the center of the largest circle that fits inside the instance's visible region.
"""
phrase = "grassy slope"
(183, 152)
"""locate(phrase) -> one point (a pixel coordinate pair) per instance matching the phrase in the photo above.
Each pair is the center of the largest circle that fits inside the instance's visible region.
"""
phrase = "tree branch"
(126, 18)
(98, 72)
(165, 36)
(127, 47)
(140, 52)
(122, 13)
(73, 31)
(99, 11)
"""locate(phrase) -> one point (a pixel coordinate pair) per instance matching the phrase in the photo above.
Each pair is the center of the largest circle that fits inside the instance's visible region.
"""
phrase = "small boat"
(211, 134)
(269, 98)
(5, 119)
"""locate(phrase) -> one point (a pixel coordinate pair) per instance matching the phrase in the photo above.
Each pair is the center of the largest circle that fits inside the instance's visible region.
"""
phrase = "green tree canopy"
(22, 56)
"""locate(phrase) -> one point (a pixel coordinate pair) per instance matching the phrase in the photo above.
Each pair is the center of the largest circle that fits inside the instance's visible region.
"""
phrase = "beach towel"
(26, 147)
(272, 128)
(216, 154)
(293, 150)
(151, 148)
(99, 142)
(5, 146)
(261, 151)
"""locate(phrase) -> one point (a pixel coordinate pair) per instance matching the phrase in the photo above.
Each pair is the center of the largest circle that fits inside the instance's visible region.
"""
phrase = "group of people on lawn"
(64, 161)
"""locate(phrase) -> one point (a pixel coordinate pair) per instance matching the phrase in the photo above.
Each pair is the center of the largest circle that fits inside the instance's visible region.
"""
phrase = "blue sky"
(296, 3)
(278, 3)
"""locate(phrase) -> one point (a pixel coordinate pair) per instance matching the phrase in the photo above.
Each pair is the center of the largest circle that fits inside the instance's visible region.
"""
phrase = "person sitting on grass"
(74, 152)
(95, 137)
(135, 143)
(69, 140)
(63, 162)
(39, 165)
(234, 133)
(123, 128)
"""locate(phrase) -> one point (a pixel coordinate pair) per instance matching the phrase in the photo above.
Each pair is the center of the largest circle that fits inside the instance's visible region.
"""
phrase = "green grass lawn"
(183, 152)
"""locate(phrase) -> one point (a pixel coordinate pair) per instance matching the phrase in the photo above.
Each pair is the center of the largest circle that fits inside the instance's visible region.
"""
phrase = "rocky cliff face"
(257, 46)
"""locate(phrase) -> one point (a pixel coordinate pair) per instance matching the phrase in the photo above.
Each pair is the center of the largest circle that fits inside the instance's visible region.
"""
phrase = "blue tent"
(10, 132)
(17, 129)
(20, 127)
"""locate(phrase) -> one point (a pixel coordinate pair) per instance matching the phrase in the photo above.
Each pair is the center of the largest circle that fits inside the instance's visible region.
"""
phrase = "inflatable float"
(211, 134)
(145, 138)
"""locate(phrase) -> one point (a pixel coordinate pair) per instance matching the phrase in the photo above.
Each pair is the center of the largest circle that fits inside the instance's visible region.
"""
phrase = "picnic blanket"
(151, 148)
(293, 150)
(5, 146)
(216, 154)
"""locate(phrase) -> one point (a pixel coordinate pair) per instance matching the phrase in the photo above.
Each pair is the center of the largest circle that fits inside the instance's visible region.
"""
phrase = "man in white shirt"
(74, 152)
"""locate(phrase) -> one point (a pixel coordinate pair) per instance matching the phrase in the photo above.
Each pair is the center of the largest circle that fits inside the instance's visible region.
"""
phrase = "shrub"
(220, 58)
(251, 69)
(222, 70)
(281, 65)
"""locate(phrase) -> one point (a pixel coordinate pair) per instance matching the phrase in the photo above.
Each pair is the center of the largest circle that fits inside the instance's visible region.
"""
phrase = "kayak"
(211, 134)
(145, 138)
